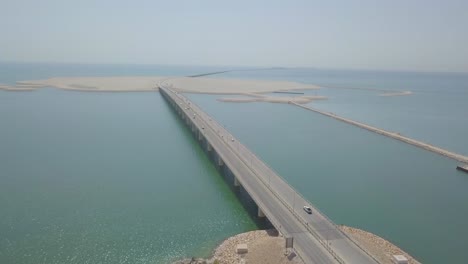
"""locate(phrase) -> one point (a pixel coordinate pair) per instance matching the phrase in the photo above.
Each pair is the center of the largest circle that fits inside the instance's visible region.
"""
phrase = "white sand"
(150, 83)
(383, 92)
(265, 247)
(273, 99)
(15, 88)
(112, 84)
(399, 93)
(185, 84)
(234, 86)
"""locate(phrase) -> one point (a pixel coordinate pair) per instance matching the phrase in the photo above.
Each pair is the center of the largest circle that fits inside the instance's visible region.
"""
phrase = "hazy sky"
(423, 35)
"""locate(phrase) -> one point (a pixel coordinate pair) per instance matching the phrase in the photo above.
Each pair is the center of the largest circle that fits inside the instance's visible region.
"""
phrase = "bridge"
(316, 238)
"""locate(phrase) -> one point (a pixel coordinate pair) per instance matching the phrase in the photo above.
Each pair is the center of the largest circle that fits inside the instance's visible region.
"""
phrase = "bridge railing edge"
(256, 199)
(311, 231)
(308, 227)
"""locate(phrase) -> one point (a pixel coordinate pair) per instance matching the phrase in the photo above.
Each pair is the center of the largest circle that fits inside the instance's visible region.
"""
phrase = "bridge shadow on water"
(242, 195)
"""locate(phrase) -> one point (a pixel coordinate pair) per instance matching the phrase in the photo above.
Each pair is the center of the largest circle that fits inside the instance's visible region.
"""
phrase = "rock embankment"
(267, 247)
(389, 134)
(378, 247)
(193, 261)
(264, 247)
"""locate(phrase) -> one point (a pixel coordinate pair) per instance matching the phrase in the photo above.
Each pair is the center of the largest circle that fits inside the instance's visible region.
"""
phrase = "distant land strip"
(238, 70)
(384, 92)
(393, 135)
(288, 92)
(206, 74)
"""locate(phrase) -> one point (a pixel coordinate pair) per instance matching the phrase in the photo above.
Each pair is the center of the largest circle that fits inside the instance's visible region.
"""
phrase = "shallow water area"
(358, 178)
(106, 178)
(117, 177)
(436, 112)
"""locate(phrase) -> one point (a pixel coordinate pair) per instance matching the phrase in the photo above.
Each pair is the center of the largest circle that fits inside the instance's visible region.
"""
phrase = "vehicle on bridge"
(307, 209)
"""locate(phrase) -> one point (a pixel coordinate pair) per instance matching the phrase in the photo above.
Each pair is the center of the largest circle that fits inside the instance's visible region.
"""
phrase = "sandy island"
(267, 247)
(398, 93)
(91, 84)
(303, 99)
(252, 90)
(383, 92)
(150, 83)
(234, 86)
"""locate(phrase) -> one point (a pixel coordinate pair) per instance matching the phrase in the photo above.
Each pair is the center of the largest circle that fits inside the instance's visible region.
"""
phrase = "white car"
(307, 209)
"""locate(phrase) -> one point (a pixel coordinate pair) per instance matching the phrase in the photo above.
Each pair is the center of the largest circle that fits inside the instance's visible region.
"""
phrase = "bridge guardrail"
(269, 170)
(266, 169)
(272, 219)
(259, 162)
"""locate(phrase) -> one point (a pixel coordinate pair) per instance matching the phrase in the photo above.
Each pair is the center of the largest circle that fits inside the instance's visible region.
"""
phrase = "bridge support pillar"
(236, 182)
(208, 146)
(220, 161)
(260, 213)
(200, 135)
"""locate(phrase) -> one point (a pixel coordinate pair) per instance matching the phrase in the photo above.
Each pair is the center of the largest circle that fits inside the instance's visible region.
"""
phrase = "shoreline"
(254, 91)
(264, 246)
(267, 246)
(380, 248)
(91, 84)
(250, 98)
(150, 83)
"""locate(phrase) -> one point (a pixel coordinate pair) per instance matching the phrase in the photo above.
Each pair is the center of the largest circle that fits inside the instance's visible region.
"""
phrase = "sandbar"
(304, 99)
(106, 84)
(150, 83)
(398, 93)
(383, 92)
(267, 247)
(234, 86)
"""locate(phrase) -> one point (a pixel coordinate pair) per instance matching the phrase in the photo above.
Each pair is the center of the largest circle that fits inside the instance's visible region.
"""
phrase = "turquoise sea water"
(106, 178)
(116, 178)
(436, 112)
(409, 196)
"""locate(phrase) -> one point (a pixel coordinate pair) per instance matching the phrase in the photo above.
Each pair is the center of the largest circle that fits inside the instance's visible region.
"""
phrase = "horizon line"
(276, 67)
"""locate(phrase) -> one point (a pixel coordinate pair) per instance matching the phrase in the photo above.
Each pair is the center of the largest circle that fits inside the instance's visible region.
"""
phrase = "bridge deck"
(316, 238)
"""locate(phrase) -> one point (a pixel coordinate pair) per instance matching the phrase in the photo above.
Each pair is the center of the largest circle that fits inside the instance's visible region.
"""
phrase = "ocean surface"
(106, 178)
(436, 112)
(116, 178)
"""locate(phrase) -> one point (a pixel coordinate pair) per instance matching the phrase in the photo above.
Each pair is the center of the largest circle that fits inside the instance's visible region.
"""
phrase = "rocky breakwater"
(264, 247)
(378, 247)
